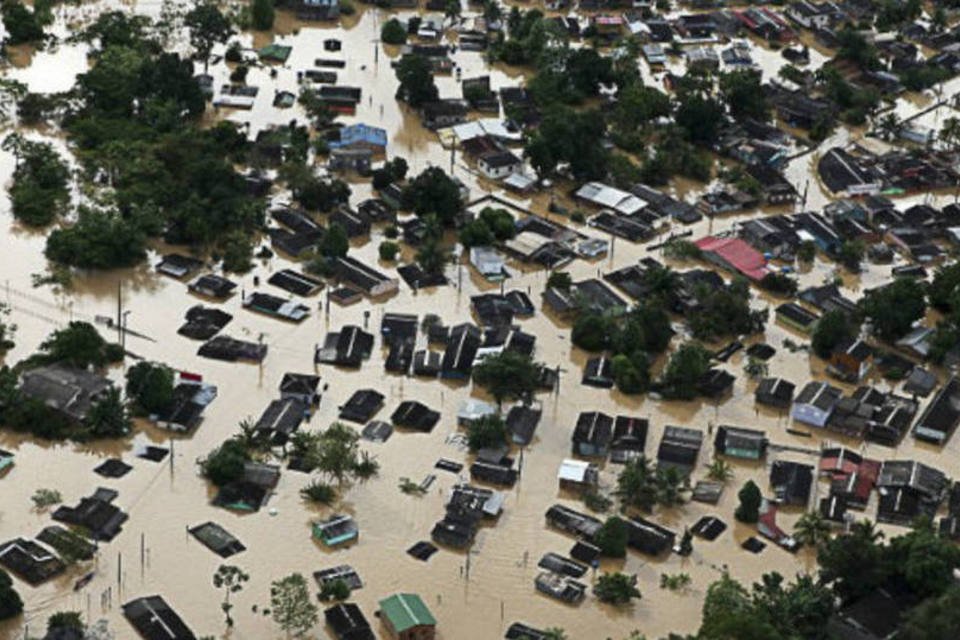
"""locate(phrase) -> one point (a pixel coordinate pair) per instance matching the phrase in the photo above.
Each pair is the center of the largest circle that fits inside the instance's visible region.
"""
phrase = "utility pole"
(119, 309)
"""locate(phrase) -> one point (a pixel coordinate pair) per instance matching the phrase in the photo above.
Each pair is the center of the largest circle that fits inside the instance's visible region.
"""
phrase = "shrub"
(388, 251)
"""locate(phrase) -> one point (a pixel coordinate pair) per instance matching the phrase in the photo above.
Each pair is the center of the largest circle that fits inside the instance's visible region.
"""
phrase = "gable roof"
(405, 611)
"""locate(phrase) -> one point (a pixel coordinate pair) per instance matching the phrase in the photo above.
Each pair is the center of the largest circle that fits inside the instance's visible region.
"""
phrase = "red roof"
(736, 253)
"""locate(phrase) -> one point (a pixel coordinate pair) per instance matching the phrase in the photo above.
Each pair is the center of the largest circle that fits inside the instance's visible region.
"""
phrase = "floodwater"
(155, 555)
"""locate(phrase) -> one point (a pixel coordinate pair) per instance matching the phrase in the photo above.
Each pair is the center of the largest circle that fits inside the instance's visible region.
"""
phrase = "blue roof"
(360, 133)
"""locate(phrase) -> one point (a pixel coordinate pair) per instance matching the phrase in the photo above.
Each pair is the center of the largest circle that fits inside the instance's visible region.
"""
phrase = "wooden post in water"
(119, 570)
(142, 536)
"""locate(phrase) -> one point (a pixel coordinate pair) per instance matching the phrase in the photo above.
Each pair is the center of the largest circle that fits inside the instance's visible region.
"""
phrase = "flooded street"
(155, 555)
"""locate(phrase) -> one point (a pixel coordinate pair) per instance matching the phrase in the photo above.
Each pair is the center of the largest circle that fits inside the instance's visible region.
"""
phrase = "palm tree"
(556, 633)
(720, 470)
(866, 530)
(950, 132)
(812, 529)
(889, 126)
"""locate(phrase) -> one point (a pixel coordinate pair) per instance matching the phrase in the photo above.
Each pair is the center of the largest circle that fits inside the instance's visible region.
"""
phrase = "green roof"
(405, 611)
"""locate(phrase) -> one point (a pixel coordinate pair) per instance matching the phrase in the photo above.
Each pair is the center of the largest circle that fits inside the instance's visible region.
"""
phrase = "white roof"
(610, 197)
(573, 470)
(493, 127)
(471, 409)
(486, 260)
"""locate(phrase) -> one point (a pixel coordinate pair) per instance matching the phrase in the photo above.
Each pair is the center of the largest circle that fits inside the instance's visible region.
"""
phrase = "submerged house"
(322, 10)
(362, 277)
(362, 405)
(347, 622)
(280, 419)
(415, 415)
(336, 530)
(95, 514)
(153, 619)
(252, 490)
(276, 306)
(462, 346)
(68, 391)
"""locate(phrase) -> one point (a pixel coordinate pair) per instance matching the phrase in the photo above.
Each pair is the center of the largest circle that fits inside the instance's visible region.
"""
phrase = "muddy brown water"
(164, 499)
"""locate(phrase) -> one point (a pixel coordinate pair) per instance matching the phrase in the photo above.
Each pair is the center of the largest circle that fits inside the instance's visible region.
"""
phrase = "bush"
(44, 498)
(592, 332)
(319, 492)
(488, 431)
(616, 588)
(560, 280)
(334, 591)
(393, 32)
(388, 251)
(779, 284)
(234, 53)
(239, 74)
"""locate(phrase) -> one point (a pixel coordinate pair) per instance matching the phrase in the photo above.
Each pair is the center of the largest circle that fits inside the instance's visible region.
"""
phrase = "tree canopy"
(508, 375)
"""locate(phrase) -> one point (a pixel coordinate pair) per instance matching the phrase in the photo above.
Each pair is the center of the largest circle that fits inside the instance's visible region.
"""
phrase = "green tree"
(208, 27)
(851, 254)
(291, 606)
(743, 94)
(108, 417)
(631, 375)
(230, 579)
(507, 375)
(934, 618)
(225, 463)
(592, 332)
(393, 32)
(40, 192)
(10, 603)
(700, 118)
(686, 543)
(262, 14)
(944, 289)
(335, 243)
(611, 538)
(637, 485)
(894, 308)
(851, 563)
(559, 280)
(100, 239)
(22, 24)
(487, 431)
(811, 529)
(388, 250)
(7, 330)
(750, 498)
(832, 329)
(150, 386)
(434, 193)
(683, 372)
(78, 345)
(616, 588)
(72, 620)
(416, 81)
(807, 251)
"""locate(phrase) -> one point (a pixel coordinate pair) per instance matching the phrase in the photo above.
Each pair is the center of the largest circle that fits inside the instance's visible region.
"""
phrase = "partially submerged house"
(280, 420)
(573, 522)
(348, 347)
(815, 403)
(737, 442)
(941, 416)
(30, 561)
(361, 276)
(592, 434)
(577, 475)
(791, 482)
(275, 306)
(679, 448)
(252, 490)
(774, 392)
